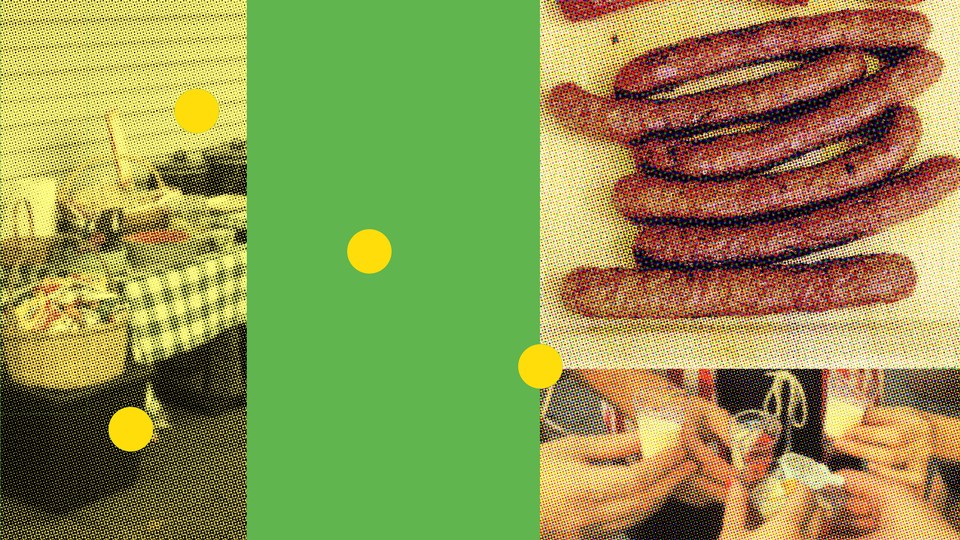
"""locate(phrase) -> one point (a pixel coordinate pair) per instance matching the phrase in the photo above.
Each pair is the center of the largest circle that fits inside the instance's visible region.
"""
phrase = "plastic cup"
(755, 435)
(658, 424)
(849, 394)
(792, 471)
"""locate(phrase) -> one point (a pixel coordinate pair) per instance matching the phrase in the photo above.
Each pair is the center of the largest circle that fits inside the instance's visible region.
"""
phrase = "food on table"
(65, 304)
(162, 248)
(157, 237)
(743, 152)
(733, 180)
(700, 56)
(627, 119)
(189, 213)
(622, 293)
(903, 197)
(226, 204)
(647, 196)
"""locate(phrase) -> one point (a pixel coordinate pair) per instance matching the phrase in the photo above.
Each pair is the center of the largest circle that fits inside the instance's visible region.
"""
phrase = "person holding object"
(695, 511)
(945, 448)
(580, 498)
(879, 509)
(894, 442)
(898, 511)
(706, 427)
(800, 518)
(888, 439)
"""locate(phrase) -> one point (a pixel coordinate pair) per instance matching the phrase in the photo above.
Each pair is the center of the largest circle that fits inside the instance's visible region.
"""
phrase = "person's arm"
(946, 436)
(706, 420)
(620, 386)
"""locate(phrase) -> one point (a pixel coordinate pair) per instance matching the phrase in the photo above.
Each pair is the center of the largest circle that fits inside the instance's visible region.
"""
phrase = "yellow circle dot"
(131, 429)
(196, 110)
(369, 251)
(540, 366)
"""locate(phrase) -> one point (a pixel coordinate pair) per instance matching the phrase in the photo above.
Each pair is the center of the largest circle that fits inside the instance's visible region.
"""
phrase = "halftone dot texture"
(589, 460)
(65, 64)
(574, 407)
(176, 311)
(579, 10)
(179, 320)
(710, 223)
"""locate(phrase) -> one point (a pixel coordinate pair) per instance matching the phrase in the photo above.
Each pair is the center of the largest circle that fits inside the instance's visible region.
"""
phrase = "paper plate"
(226, 204)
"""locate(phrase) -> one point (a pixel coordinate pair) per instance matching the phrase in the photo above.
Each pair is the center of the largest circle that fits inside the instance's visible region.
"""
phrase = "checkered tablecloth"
(179, 310)
(171, 311)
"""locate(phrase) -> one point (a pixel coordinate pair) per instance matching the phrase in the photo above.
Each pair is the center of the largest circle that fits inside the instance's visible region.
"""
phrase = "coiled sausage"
(883, 205)
(619, 293)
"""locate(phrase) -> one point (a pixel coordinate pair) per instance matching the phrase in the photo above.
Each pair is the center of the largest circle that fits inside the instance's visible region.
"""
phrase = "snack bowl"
(162, 249)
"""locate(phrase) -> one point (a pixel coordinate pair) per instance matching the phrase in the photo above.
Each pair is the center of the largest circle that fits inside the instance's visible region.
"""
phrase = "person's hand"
(897, 511)
(707, 426)
(896, 443)
(798, 519)
(581, 499)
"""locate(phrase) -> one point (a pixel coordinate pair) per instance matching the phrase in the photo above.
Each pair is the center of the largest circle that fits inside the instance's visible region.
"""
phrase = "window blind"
(65, 63)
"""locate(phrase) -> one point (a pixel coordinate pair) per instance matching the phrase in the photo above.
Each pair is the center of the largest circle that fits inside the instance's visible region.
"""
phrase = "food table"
(102, 285)
(178, 311)
(173, 311)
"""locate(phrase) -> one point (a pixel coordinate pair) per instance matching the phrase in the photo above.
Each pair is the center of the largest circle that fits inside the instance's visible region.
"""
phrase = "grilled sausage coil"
(625, 120)
(701, 56)
(719, 212)
(645, 196)
(627, 293)
(739, 153)
(888, 203)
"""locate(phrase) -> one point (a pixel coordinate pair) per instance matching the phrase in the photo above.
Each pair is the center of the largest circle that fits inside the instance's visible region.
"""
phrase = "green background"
(389, 405)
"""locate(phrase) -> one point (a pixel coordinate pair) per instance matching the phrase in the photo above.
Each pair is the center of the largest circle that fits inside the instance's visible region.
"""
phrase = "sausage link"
(621, 293)
(869, 212)
(644, 196)
(744, 152)
(579, 10)
(700, 56)
(627, 120)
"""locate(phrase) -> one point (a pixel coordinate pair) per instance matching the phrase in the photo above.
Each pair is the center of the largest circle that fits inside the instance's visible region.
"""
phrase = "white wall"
(64, 63)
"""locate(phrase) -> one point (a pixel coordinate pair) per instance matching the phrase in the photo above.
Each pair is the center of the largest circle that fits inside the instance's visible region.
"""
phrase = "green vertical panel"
(389, 404)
